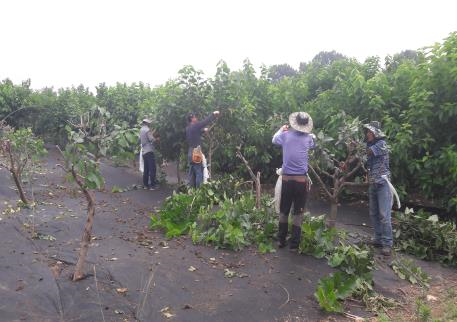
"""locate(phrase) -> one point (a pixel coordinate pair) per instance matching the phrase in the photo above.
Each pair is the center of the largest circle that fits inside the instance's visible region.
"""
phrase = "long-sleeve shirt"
(194, 132)
(378, 162)
(147, 139)
(295, 148)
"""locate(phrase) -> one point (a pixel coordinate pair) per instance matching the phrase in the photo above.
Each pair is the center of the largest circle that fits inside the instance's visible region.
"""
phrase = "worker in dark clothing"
(194, 131)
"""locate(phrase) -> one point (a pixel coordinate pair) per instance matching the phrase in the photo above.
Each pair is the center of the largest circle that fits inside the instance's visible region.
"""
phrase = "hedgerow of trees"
(413, 94)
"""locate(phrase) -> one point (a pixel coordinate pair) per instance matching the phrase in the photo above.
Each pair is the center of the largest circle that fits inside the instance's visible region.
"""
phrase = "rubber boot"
(282, 234)
(295, 238)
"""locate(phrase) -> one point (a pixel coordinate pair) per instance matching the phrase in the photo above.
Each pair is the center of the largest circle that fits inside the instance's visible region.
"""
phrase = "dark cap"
(190, 116)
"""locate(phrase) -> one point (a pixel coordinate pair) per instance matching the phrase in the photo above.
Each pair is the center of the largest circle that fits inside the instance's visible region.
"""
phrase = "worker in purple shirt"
(295, 143)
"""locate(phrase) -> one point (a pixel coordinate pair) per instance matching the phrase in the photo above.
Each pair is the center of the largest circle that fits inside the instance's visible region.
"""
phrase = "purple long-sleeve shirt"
(295, 147)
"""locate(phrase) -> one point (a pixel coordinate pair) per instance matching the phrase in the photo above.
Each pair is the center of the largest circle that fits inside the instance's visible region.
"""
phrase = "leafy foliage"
(425, 236)
(219, 213)
(124, 145)
(177, 214)
(423, 310)
(80, 160)
(413, 95)
(23, 146)
(355, 264)
(353, 260)
(19, 150)
(333, 289)
(317, 239)
(88, 142)
(235, 224)
(179, 211)
(406, 270)
(339, 161)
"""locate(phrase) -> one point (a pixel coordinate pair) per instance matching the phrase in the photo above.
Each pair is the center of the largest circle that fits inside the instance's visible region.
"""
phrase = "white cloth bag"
(393, 191)
(205, 169)
(141, 162)
(278, 188)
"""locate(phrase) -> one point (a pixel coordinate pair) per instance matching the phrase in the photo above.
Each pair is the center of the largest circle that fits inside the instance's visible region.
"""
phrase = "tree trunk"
(17, 181)
(85, 240)
(258, 192)
(210, 158)
(178, 172)
(331, 219)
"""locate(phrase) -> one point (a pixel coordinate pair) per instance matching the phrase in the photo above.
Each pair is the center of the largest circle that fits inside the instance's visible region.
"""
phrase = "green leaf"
(336, 259)
(94, 180)
(433, 218)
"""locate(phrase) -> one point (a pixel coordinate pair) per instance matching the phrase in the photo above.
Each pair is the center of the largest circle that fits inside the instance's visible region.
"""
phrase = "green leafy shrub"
(353, 260)
(317, 239)
(125, 145)
(180, 210)
(19, 151)
(406, 270)
(332, 290)
(220, 213)
(355, 264)
(235, 224)
(209, 204)
(176, 215)
(423, 310)
(426, 237)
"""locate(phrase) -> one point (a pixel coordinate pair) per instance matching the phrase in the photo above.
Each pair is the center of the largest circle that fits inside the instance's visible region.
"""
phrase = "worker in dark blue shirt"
(194, 131)
(379, 192)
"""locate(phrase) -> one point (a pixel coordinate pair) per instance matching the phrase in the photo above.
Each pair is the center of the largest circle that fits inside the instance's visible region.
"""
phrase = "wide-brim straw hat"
(301, 121)
(375, 128)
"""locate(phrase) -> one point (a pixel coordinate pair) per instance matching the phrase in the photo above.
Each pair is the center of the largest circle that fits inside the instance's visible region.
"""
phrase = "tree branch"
(66, 169)
(324, 172)
(353, 171)
(251, 173)
(320, 181)
(255, 178)
(355, 184)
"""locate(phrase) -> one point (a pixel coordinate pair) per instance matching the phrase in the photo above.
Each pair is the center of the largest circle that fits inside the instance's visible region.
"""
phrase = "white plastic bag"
(141, 161)
(393, 191)
(278, 188)
(205, 169)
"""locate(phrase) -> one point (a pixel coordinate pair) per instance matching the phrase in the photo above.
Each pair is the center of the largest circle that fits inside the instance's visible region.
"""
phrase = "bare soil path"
(135, 274)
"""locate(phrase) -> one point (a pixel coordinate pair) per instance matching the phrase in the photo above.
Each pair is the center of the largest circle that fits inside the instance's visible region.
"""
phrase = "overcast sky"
(62, 43)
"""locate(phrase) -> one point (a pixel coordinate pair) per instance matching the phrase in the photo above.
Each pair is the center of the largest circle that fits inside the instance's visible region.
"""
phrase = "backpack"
(197, 155)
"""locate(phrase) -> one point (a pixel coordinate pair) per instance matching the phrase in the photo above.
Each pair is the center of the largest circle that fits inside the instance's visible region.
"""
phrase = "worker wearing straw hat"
(295, 142)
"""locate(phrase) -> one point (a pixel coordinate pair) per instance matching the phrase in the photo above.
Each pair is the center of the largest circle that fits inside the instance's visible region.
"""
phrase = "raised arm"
(379, 148)
(151, 137)
(278, 136)
(206, 121)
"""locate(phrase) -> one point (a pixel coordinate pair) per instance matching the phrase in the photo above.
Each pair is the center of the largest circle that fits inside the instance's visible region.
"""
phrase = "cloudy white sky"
(68, 42)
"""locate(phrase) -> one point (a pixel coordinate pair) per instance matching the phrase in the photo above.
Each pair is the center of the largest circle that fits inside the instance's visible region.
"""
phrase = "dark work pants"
(195, 175)
(293, 192)
(149, 169)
